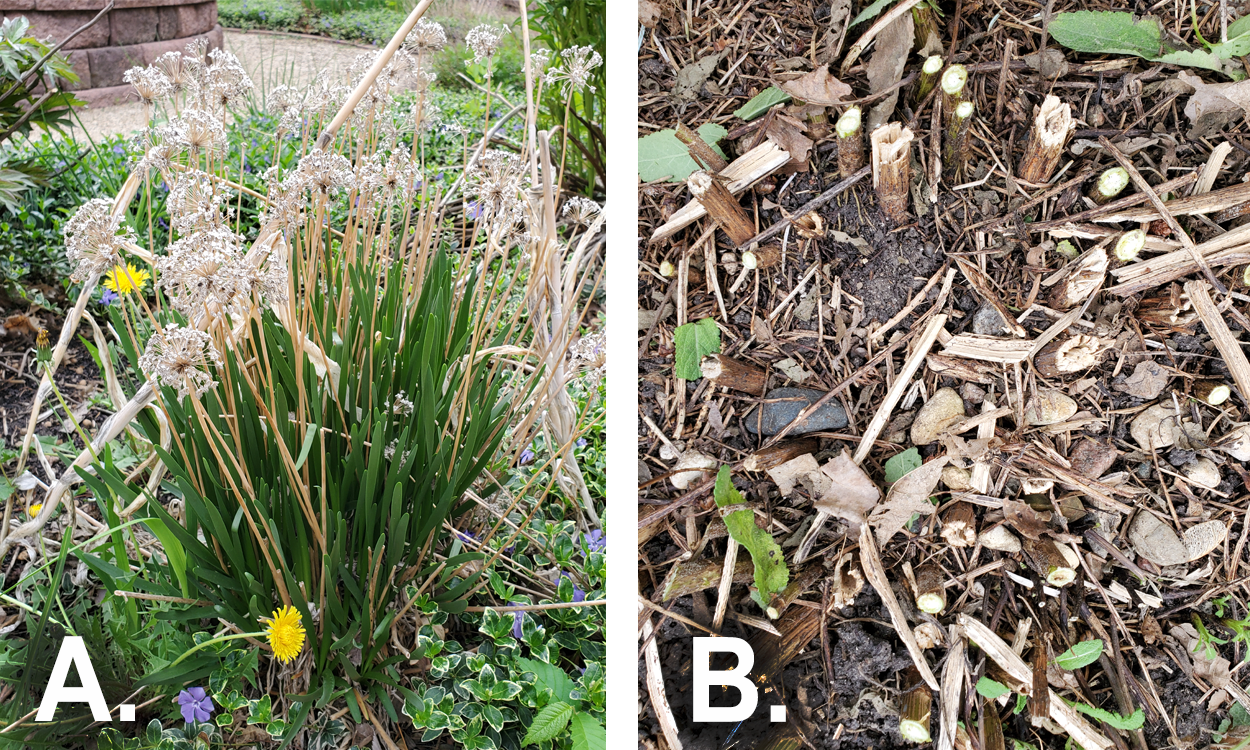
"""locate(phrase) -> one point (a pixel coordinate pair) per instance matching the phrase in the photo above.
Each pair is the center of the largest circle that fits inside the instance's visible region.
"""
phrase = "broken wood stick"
(952, 688)
(1228, 249)
(834, 191)
(734, 374)
(1190, 205)
(891, 170)
(1180, 234)
(870, 561)
(721, 206)
(655, 688)
(1225, 342)
(988, 348)
(741, 174)
(774, 455)
(1081, 730)
(699, 150)
(1097, 214)
(902, 382)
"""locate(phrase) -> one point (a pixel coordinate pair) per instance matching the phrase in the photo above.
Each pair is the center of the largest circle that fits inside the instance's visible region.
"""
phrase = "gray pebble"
(778, 414)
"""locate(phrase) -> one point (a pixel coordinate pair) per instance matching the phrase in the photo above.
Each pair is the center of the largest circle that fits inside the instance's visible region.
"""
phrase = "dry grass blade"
(874, 572)
(1228, 346)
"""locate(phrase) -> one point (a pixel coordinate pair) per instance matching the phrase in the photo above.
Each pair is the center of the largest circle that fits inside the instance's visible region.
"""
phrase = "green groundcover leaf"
(549, 722)
(1081, 655)
(771, 573)
(991, 689)
(900, 464)
(1108, 32)
(692, 342)
(661, 155)
(761, 103)
(588, 733)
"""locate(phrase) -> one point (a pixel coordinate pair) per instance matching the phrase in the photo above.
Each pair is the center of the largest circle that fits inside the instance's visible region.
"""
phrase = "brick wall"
(135, 32)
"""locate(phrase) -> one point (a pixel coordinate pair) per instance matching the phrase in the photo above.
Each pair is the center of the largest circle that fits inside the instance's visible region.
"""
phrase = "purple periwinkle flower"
(197, 706)
(516, 622)
(578, 594)
(527, 456)
(468, 537)
(108, 297)
(581, 443)
(595, 541)
(473, 210)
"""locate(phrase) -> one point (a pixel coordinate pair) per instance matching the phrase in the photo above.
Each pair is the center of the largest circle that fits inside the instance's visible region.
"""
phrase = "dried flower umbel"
(498, 180)
(203, 272)
(427, 35)
(483, 40)
(580, 210)
(94, 237)
(150, 84)
(579, 64)
(178, 358)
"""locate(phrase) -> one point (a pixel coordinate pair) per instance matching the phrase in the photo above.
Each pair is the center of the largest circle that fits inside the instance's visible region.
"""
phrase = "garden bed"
(957, 450)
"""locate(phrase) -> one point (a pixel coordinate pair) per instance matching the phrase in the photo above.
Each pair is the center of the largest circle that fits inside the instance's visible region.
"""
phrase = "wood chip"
(741, 174)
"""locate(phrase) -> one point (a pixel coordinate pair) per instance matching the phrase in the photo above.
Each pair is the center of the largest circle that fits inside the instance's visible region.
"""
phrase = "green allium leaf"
(1080, 655)
(549, 723)
(692, 343)
(761, 103)
(771, 573)
(661, 155)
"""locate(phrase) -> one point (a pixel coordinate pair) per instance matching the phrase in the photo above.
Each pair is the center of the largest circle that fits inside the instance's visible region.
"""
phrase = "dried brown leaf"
(853, 494)
(788, 133)
(1024, 519)
(788, 474)
(908, 495)
(1214, 98)
(817, 87)
(692, 77)
(1147, 381)
(885, 68)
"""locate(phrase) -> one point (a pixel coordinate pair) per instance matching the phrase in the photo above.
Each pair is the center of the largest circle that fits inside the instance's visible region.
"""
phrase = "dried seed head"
(177, 69)
(150, 83)
(498, 181)
(590, 352)
(160, 146)
(326, 173)
(483, 40)
(94, 237)
(426, 35)
(581, 210)
(200, 131)
(203, 272)
(225, 82)
(579, 64)
(539, 60)
(178, 358)
(195, 203)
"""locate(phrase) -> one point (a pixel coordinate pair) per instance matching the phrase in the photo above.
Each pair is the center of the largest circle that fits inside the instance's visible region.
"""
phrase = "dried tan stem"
(891, 169)
(1052, 126)
(699, 150)
(775, 455)
(741, 174)
(874, 572)
(902, 382)
(655, 687)
(1227, 344)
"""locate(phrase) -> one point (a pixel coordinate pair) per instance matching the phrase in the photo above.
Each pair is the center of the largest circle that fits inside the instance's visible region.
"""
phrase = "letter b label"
(705, 678)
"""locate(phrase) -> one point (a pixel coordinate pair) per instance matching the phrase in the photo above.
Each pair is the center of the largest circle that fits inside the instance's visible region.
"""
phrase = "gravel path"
(270, 59)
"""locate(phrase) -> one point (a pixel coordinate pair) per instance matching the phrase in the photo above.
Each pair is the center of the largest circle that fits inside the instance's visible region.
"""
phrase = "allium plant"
(331, 394)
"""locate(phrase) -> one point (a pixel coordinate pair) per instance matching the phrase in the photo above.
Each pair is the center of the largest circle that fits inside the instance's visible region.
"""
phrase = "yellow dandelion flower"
(123, 281)
(34, 509)
(286, 634)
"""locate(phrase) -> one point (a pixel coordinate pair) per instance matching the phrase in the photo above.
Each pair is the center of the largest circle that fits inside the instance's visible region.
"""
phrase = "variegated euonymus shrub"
(324, 397)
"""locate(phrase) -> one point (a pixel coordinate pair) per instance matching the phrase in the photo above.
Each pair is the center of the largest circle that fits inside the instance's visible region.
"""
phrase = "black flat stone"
(778, 414)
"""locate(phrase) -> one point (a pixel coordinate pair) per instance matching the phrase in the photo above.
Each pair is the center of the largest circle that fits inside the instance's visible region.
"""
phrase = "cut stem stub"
(850, 142)
(891, 169)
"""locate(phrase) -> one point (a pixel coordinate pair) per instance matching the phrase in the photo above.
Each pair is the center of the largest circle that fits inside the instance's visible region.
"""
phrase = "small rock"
(1092, 458)
(896, 430)
(942, 410)
(701, 463)
(1161, 545)
(1049, 406)
(1203, 472)
(956, 478)
(972, 393)
(987, 322)
(999, 538)
(1156, 427)
(779, 413)
(1147, 381)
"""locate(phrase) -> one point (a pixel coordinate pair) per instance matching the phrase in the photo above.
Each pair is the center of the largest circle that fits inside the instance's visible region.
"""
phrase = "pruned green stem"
(1110, 184)
(928, 76)
(1129, 245)
(955, 149)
